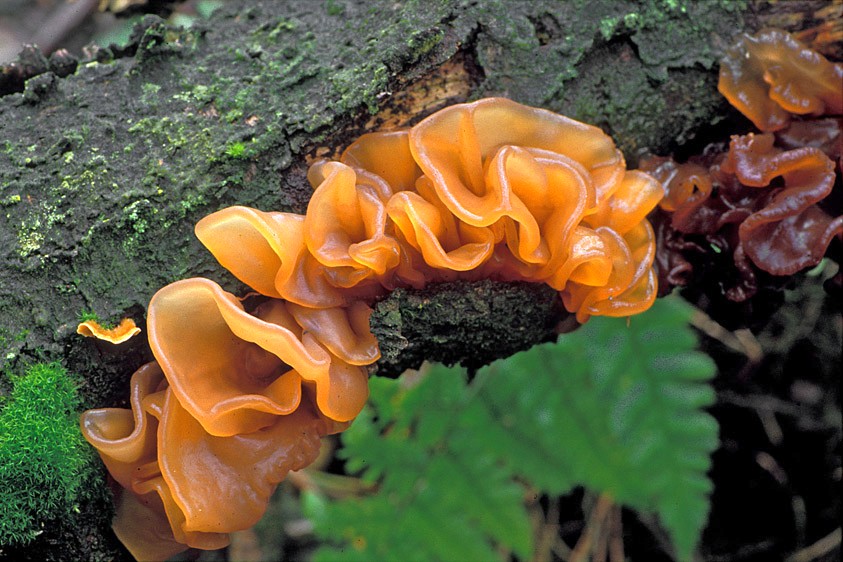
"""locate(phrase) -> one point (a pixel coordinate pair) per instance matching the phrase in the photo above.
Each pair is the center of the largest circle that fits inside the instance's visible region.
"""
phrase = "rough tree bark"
(103, 172)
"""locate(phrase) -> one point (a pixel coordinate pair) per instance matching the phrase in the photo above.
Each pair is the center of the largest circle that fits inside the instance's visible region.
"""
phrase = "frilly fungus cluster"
(764, 201)
(242, 390)
(770, 76)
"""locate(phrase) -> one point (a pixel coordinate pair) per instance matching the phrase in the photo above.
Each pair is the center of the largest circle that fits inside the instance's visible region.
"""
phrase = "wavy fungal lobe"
(242, 389)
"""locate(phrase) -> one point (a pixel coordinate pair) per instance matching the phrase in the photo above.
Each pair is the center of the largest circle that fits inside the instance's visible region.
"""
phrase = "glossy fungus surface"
(123, 332)
(770, 195)
(492, 189)
(767, 201)
(771, 76)
(242, 389)
(183, 487)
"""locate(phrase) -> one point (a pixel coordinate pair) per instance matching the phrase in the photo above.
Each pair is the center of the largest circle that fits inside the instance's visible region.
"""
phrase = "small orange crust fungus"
(771, 75)
(119, 334)
(240, 395)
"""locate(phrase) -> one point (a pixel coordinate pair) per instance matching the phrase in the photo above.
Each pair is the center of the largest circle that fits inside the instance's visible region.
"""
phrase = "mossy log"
(107, 162)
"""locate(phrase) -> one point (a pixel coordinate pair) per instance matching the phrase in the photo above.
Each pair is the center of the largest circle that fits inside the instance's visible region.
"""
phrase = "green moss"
(236, 150)
(30, 238)
(10, 200)
(192, 201)
(423, 44)
(44, 460)
(166, 139)
(197, 94)
(361, 84)
(282, 26)
(136, 217)
(334, 9)
(607, 26)
(87, 315)
(233, 115)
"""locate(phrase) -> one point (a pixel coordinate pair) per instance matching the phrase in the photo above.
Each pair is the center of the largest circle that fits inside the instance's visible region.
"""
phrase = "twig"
(593, 529)
(761, 402)
(332, 485)
(616, 552)
(561, 549)
(601, 543)
(819, 548)
(548, 530)
(742, 341)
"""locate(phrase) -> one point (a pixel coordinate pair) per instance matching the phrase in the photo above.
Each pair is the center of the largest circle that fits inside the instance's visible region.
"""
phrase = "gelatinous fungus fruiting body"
(770, 77)
(766, 203)
(242, 389)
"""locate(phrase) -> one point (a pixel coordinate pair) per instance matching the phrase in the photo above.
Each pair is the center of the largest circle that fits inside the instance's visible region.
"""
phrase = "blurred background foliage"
(71, 25)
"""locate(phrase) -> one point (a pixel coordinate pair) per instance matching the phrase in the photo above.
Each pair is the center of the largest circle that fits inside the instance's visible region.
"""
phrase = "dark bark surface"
(103, 172)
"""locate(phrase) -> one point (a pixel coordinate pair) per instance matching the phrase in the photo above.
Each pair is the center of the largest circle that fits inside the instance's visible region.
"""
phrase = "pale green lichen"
(11, 200)
(607, 27)
(137, 216)
(149, 94)
(30, 238)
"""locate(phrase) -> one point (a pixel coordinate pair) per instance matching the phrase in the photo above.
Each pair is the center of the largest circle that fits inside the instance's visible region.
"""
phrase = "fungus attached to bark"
(183, 487)
(766, 202)
(766, 198)
(240, 394)
(491, 189)
(119, 334)
(771, 75)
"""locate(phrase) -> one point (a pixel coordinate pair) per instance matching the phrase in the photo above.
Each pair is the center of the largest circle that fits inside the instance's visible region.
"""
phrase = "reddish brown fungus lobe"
(770, 193)
(764, 200)
(770, 76)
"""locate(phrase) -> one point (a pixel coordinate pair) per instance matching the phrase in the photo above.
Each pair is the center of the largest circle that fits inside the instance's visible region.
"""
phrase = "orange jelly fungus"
(239, 394)
(771, 75)
(119, 334)
(490, 189)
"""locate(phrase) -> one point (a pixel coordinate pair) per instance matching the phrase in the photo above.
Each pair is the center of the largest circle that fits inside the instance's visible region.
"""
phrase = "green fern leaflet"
(614, 406)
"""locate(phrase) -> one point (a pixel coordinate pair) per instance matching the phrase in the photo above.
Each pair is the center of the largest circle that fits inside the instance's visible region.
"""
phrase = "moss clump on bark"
(49, 477)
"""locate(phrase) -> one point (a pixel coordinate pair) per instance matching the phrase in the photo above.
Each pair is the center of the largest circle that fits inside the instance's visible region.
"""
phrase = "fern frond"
(621, 404)
(612, 407)
(444, 494)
